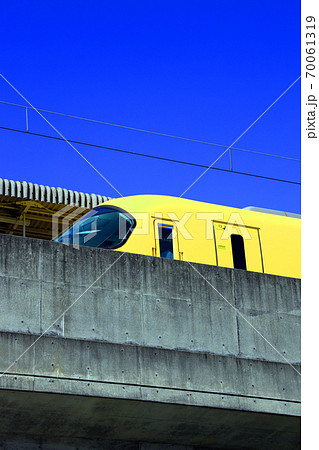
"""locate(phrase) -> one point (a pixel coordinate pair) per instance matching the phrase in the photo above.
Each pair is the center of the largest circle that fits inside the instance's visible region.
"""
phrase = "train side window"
(238, 248)
(165, 233)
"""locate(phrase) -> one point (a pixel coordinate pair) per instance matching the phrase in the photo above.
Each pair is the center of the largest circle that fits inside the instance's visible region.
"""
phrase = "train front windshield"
(103, 227)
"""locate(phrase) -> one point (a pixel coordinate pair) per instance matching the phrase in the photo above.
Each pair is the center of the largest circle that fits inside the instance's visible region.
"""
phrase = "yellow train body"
(193, 231)
(202, 233)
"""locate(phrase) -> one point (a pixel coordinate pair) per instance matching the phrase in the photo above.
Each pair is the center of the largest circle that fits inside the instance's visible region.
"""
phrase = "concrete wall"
(148, 330)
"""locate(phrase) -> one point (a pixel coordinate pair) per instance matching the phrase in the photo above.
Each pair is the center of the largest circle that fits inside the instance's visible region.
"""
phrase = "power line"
(151, 132)
(150, 156)
(60, 134)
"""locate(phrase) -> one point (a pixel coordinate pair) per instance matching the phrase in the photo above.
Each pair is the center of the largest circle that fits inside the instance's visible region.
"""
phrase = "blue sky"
(203, 70)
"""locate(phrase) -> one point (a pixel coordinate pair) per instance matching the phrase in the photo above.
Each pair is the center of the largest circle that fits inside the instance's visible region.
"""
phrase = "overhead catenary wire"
(151, 132)
(60, 134)
(145, 155)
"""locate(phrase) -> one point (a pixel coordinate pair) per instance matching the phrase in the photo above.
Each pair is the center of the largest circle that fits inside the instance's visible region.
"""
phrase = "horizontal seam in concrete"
(147, 386)
(135, 344)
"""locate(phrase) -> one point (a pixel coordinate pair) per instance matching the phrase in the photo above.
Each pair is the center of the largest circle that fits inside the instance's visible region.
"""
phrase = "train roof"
(272, 211)
(155, 201)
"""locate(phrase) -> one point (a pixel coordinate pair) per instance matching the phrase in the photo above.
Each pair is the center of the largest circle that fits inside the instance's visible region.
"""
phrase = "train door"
(166, 239)
(238, 246)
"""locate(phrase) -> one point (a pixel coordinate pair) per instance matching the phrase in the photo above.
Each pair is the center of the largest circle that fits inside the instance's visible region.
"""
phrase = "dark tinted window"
(165, 233)
(238, 247)
(103, 227)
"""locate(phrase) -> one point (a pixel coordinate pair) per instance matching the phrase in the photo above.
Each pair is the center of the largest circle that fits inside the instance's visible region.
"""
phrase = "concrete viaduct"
(122, 351)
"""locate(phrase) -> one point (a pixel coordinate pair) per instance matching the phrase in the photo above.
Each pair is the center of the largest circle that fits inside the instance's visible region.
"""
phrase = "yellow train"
(176, 228)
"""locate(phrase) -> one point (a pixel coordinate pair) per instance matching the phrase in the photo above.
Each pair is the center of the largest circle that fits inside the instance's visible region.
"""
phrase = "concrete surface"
(151, 341)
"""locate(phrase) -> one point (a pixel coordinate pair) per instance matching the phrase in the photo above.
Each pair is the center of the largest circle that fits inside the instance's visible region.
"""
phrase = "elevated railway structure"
(103, 349)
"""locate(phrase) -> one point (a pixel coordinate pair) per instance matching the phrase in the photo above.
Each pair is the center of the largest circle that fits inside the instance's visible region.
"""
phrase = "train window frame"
(160, 227)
